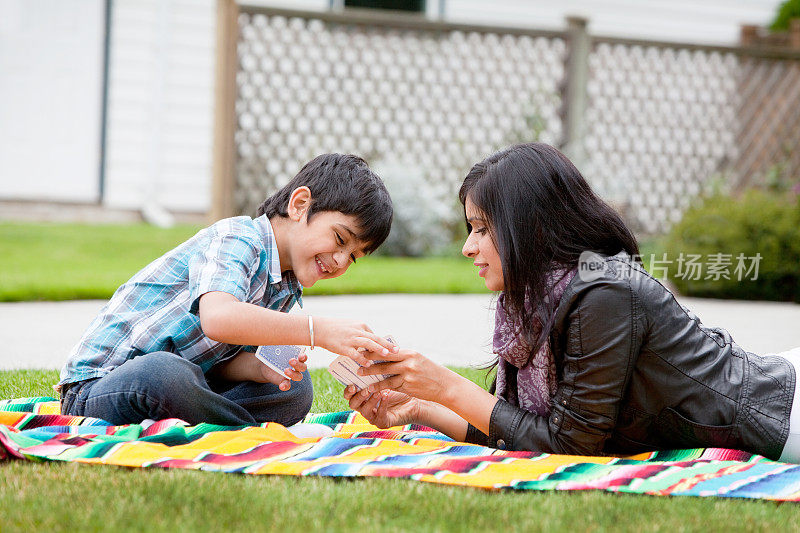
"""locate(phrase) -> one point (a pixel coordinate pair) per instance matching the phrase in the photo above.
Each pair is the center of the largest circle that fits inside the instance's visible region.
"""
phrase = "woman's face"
(481, 249)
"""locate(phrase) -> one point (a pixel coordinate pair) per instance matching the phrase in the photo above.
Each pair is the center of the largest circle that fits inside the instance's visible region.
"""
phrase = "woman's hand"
(412, 374)
(422, 392)
(350, 338)
(384, 409)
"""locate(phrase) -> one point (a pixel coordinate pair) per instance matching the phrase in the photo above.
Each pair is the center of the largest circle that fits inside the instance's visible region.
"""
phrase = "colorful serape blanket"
(33, 429)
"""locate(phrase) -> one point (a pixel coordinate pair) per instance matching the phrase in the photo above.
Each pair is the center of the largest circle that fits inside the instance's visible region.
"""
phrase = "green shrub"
(757, 222)
(786, 12)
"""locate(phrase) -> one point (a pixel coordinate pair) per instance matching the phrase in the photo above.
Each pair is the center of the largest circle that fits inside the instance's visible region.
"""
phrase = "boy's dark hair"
(344, 183)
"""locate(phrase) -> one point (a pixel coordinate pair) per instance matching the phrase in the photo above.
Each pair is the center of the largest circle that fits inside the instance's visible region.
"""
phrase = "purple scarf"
(536, 381)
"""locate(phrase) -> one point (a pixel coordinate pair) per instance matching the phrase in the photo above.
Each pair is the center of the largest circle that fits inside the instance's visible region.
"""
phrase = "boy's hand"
(245, 366)
(351, 338)
(298, 366)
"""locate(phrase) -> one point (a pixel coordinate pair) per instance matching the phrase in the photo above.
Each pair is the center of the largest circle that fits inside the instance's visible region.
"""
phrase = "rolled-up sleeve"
(228, 265)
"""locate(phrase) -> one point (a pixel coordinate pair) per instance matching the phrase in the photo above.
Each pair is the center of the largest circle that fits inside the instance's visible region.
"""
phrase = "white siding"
(51, 64)
(161, 96)
(692, 21)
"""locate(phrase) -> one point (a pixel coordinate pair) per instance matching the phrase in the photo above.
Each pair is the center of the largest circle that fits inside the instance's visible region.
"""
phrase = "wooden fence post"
(794, 33)
(574, 97)
(224, 158)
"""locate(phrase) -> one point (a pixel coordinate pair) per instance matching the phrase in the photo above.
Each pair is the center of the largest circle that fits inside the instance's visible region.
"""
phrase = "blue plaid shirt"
(157, 309)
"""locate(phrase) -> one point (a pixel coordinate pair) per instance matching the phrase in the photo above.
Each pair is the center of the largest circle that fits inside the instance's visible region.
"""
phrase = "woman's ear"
(299, 203)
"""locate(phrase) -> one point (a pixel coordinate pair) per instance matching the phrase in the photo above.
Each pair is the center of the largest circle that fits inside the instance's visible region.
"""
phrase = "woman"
(596, 357)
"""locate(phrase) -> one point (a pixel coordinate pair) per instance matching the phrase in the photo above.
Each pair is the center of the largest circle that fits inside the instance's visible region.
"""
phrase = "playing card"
(345, 370)
(277, 357)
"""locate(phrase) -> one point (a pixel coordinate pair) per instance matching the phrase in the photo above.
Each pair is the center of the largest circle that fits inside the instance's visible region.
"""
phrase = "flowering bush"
(423, 212)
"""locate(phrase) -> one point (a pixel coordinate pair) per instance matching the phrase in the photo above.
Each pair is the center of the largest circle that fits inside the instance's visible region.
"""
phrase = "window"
(415, 6)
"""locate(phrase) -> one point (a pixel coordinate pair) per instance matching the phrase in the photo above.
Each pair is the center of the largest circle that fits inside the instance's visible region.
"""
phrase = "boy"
(177, 340)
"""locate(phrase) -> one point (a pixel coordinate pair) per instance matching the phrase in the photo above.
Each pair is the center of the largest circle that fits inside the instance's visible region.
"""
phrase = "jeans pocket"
(75, 399)
(67, 401)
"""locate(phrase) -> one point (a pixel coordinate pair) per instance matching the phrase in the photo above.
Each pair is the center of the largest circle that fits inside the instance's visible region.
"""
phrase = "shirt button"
(563, 402)
(501, 444)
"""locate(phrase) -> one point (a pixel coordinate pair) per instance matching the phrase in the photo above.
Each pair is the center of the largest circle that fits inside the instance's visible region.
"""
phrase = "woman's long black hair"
(541, 214)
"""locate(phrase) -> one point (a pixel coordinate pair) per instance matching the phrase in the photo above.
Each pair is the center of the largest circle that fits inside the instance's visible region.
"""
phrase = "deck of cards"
(345, 370)
(277, 357)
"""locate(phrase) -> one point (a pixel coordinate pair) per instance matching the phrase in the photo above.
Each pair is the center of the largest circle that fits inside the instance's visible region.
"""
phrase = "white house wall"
(51, 65)
(702, 22)
(160, 108)
(693, 21)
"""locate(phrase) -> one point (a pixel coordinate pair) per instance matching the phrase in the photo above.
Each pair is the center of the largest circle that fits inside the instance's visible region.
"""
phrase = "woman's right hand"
(384, 409)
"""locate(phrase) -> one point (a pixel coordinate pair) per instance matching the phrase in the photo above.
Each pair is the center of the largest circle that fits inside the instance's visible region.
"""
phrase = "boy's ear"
(299, 203)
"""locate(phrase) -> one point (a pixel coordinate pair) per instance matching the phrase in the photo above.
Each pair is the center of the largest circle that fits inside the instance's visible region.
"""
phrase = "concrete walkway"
(450, 329)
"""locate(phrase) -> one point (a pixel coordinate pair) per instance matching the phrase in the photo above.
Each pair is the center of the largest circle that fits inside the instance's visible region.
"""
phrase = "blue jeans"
(164, 385)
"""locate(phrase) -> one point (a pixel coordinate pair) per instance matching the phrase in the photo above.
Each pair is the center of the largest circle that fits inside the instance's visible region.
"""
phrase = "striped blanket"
(32, 429)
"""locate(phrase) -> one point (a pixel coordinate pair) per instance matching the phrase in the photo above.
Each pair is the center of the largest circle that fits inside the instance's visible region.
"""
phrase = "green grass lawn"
(60, 497)
(79, 261)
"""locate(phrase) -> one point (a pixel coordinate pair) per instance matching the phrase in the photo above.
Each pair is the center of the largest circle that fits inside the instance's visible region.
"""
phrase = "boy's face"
(324, 247)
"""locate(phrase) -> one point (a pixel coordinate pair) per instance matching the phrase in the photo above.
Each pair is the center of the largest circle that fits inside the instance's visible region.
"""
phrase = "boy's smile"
(323, 248)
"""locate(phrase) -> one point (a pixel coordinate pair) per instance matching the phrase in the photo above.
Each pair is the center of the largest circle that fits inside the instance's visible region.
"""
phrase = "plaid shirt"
(157, 309)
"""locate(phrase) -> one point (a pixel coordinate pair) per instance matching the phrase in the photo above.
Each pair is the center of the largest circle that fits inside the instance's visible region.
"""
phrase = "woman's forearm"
(465, 402)
(470, 402)
(442, 419)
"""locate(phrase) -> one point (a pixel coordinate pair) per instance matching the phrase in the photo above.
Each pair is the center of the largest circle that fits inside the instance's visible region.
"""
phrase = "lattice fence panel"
(768, 135)
(660, 123)
(434, 99)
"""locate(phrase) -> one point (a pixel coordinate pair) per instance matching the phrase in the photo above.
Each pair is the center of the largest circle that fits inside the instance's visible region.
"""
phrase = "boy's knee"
(164, 371)
(304, 391)
(156, 385)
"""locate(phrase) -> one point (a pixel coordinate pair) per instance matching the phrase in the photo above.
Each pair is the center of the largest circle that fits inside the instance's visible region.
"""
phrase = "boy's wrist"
(320, 332)
(267, 375)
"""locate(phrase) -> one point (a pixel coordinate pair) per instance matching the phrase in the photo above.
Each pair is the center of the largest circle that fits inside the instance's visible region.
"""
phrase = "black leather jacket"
(639, 372)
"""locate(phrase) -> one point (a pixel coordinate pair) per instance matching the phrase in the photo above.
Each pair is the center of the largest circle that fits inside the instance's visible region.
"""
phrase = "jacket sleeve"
(603, 338)
(476, 436)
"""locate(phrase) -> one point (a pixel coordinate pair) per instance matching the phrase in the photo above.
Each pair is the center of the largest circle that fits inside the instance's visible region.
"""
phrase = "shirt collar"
(268, 236)
(294, 286)
(274, 271)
